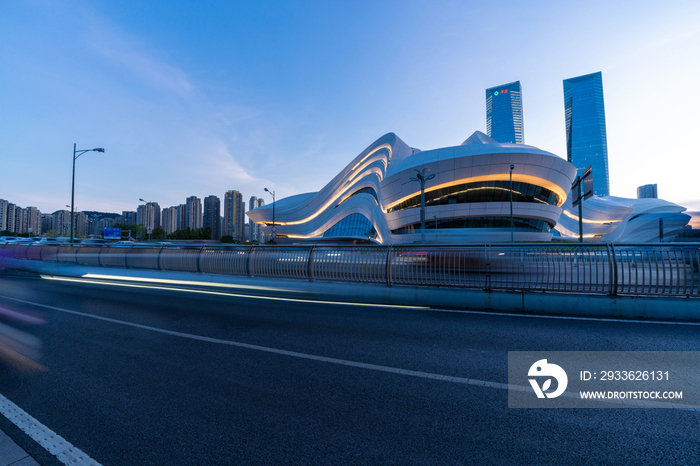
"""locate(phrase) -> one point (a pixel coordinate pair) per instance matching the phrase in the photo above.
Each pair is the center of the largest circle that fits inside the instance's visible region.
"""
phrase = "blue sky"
(196, 98)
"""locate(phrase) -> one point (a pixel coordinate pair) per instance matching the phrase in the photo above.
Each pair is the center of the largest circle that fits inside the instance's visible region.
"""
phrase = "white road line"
(50, 440)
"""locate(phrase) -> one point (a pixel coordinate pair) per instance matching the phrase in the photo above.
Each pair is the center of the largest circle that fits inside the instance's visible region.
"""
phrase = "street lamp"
(148, 217)
(274, 228)
(94, 218)
(76, 154)
(422, 178)
(511, 203)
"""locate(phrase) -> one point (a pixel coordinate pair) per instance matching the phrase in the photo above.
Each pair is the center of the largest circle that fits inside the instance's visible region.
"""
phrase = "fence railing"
(669, 269)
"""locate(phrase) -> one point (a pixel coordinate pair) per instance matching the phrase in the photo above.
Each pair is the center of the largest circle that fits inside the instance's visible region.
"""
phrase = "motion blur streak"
(19, 349)
(181, 282)
(220, 293)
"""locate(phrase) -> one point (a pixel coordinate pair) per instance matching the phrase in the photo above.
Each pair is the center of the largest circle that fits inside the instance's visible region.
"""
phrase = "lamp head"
(512, 167)
(99, 149)
(430, 177)
(267, 190)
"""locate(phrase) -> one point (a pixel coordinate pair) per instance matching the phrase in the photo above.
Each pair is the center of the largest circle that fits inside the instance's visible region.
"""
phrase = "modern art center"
(468, 200)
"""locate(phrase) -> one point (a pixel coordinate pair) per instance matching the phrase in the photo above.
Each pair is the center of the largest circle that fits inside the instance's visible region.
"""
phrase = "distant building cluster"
(193, 214)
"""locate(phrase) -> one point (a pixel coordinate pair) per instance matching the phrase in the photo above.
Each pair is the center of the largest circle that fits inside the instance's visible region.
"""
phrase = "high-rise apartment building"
(648, 191)
(194, 212)
(61, 222)
(182, 216)
(46, 223)
(32, 221)
(3, 214)
(234, 215)
(169, 221)
(212, 214)
(18, 219)
(586, 136)
(504, 113)
(148, 215)
(254, 231)
(81, 224)
(129, 217)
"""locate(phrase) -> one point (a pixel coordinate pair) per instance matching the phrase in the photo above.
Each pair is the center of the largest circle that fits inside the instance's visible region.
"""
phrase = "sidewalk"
(13, 455)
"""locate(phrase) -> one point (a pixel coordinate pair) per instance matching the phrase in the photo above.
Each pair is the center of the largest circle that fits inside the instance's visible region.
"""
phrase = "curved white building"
(467, 200)
(614, 219)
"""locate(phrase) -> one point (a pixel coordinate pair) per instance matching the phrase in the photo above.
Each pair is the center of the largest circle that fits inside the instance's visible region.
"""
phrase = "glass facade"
(648, 191)
(586, 137)
(494, 223)
(352, 225)
(482, 191)
(504, 113)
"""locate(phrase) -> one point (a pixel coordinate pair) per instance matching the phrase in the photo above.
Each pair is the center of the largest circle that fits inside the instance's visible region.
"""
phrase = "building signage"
(503, 91)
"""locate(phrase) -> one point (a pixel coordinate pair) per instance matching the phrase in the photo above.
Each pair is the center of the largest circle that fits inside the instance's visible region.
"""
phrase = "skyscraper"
(586, 136)
(504, 113)
(169, 220)
(648, 191)
(254, 232)
(148, 215)
(234, 215)
(212, 214)
(194, 212)
(3, 215)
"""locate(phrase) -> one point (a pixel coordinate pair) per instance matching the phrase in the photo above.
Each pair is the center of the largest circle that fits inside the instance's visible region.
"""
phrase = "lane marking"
(62, 449)
(535, 316)
(220, 293)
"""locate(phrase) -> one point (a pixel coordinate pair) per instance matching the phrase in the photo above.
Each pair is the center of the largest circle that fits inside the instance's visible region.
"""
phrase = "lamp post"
(511, 203)
(76, 154)
(149, 203)
(274, 228)
(94, 218)
(422, 178)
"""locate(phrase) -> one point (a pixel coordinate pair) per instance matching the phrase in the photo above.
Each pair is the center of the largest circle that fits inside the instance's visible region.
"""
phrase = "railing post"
(248, 262)
(310, 264)
(487, 254)
(389, 256)
(99, 264)
(612, 261)
(199, 257)
(159, 252)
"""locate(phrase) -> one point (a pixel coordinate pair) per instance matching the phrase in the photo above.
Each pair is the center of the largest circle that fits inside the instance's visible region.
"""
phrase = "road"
(137, 375)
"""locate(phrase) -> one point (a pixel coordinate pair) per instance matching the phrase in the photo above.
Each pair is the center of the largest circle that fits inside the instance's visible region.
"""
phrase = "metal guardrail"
(668, 269)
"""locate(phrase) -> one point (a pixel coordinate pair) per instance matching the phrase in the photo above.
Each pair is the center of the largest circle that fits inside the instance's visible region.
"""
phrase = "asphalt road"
(182, 387)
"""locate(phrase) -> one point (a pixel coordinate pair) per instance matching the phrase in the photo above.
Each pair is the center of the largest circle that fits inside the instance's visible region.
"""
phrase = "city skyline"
(247, 96)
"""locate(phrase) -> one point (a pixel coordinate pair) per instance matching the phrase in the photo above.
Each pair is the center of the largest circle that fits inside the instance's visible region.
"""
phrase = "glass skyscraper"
(586, 137)
(504, 113)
